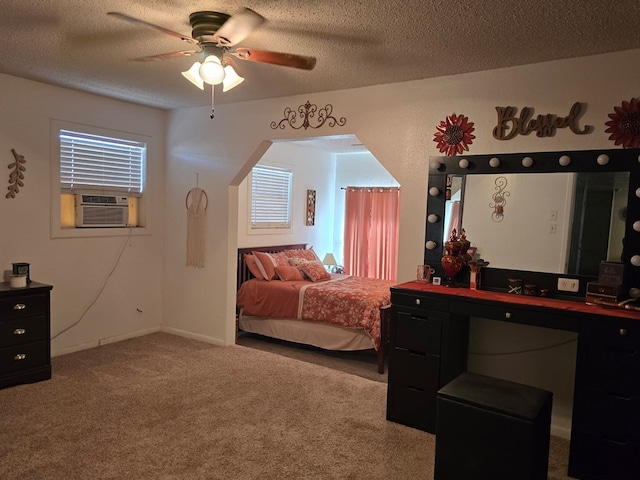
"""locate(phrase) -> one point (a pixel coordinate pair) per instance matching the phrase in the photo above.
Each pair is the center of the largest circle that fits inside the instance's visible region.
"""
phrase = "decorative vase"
(452, 264)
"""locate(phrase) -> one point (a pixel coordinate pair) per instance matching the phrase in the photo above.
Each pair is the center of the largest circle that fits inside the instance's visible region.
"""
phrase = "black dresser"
(25, 347)
(429, 336)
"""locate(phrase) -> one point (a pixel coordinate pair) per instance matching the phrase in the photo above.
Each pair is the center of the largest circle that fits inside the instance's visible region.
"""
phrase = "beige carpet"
(164, 407)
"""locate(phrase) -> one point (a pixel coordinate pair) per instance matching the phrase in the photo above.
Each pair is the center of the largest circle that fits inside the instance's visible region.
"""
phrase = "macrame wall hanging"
(196, 203)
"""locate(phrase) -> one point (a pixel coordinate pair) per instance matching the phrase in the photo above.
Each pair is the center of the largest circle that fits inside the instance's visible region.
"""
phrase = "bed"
(312, 307)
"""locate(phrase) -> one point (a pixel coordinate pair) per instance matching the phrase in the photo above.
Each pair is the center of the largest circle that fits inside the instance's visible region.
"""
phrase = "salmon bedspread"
(344, 300)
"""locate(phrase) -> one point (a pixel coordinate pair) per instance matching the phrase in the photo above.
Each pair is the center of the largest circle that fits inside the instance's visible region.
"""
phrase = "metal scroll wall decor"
(16, 176)
(499, 199)
(307, 116)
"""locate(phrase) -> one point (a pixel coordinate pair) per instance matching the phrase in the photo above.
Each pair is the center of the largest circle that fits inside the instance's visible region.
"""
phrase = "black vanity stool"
(492, 429)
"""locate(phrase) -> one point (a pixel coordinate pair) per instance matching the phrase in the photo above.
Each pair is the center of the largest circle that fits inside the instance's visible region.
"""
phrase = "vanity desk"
(548, 220)
(429, 338)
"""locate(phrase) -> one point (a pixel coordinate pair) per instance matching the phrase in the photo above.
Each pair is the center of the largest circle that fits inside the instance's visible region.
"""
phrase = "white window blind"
(270, 197)
(94, 162)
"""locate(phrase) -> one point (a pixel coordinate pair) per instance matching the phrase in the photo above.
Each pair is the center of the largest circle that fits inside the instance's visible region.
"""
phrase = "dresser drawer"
(609, 415)
(416, 370)
(412, 407)
(15, 332)
(611, 365)
(416, 333)
(23, 306)
(518, 315)
(23, 357)
(598, 457)
(420, 301)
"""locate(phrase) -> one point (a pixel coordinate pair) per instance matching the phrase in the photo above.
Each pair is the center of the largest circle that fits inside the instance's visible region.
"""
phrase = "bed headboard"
(243, 272)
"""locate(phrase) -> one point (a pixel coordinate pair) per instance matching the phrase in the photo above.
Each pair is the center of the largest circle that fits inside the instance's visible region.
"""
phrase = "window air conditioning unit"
(101, 211)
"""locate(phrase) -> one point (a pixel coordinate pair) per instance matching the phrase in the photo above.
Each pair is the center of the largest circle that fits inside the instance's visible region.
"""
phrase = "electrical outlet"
(568, 284)
(553, 228)
(554, 215)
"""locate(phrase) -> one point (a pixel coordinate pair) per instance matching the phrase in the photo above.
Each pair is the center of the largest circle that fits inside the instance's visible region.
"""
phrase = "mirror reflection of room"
(575, 224)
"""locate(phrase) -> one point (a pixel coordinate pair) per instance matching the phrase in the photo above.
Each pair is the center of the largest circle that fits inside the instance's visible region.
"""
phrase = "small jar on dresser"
(25, 347)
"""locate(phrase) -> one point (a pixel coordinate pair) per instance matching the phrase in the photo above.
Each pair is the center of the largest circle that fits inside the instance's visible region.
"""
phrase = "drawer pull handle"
(507, 315)
(623, 331)
(19, 331)
(417, 301)
(19, 306)
(20, 356)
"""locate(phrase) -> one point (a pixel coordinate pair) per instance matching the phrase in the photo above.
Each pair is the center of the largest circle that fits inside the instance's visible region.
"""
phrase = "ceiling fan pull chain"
(212, 92)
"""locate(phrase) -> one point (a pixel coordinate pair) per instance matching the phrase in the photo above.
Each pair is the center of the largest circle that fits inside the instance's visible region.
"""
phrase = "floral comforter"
(344, 300)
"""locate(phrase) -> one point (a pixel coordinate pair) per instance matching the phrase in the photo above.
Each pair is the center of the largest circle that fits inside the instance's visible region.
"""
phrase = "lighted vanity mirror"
(557, 213)
(549, 222)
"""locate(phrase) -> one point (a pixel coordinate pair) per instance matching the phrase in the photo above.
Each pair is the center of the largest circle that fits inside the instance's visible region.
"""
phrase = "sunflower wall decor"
(624, 125)
(454, 134)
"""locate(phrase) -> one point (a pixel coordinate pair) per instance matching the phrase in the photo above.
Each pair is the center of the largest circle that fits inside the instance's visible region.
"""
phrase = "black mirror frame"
(496, 279)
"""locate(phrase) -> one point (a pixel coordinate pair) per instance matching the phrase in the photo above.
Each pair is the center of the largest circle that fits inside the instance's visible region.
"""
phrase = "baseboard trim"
(194, 336)
(104, 341)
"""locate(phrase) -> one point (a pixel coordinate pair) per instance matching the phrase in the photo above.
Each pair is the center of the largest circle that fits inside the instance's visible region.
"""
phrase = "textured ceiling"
(73, 43)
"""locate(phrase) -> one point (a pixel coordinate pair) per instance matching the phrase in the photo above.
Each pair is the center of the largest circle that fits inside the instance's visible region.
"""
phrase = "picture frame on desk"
(437, 280)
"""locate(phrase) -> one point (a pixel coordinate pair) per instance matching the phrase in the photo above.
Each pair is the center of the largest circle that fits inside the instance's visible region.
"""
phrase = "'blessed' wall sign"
(509, 125)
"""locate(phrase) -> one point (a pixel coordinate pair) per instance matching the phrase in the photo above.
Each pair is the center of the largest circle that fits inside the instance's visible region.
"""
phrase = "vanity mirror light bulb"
(433, 218)
(434, 191)
(463, 163)
(431, 245)
(435, 164)
(494, 162)
(634, 292)
(636, 226)
(638, 192)
(527, 162)
(564, 160)
(635, 260)
(602, 159)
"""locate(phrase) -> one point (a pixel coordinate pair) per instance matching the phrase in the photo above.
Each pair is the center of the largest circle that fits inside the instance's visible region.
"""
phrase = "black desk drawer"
(517, 315)
(23, 357)
(600, 458)
(15, 332)
(419, 301)
(613, 416)
(412, 407)
(417, 333)
(23, 306)
(415, 370)
(611, 365)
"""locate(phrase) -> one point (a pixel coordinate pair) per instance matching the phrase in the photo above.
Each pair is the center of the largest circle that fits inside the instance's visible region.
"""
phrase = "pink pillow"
(280, 259)
(250, 261)
(265, 264)
(307, 254)
(315, 271)
(286, 273)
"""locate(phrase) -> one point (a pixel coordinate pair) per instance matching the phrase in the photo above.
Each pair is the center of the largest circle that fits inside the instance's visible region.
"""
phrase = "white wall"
(78, 267)
(312, 170)
(396, 123)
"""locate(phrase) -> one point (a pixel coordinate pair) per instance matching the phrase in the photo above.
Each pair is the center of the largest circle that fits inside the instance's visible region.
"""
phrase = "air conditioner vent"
(101, 211)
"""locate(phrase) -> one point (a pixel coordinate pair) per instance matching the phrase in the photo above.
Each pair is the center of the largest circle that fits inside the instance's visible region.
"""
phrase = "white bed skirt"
(318, 334)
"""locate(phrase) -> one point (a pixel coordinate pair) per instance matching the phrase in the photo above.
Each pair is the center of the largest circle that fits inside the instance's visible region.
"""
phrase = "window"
(270, 197)
(94, 162)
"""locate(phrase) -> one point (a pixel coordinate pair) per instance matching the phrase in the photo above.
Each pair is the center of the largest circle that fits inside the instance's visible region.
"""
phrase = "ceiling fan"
(214, 37)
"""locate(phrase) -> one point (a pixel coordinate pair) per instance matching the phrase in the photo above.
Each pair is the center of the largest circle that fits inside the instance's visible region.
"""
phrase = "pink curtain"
(371, 232)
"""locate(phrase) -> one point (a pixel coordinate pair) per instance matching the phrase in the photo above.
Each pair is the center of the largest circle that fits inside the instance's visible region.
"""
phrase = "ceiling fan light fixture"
(193, 75)
(231, 79)
(211, 70)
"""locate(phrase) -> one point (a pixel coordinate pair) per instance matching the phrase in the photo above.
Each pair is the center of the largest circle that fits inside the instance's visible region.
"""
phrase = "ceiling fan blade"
(238, 27)
(166, 31)
(275, 58)
(166, 56)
